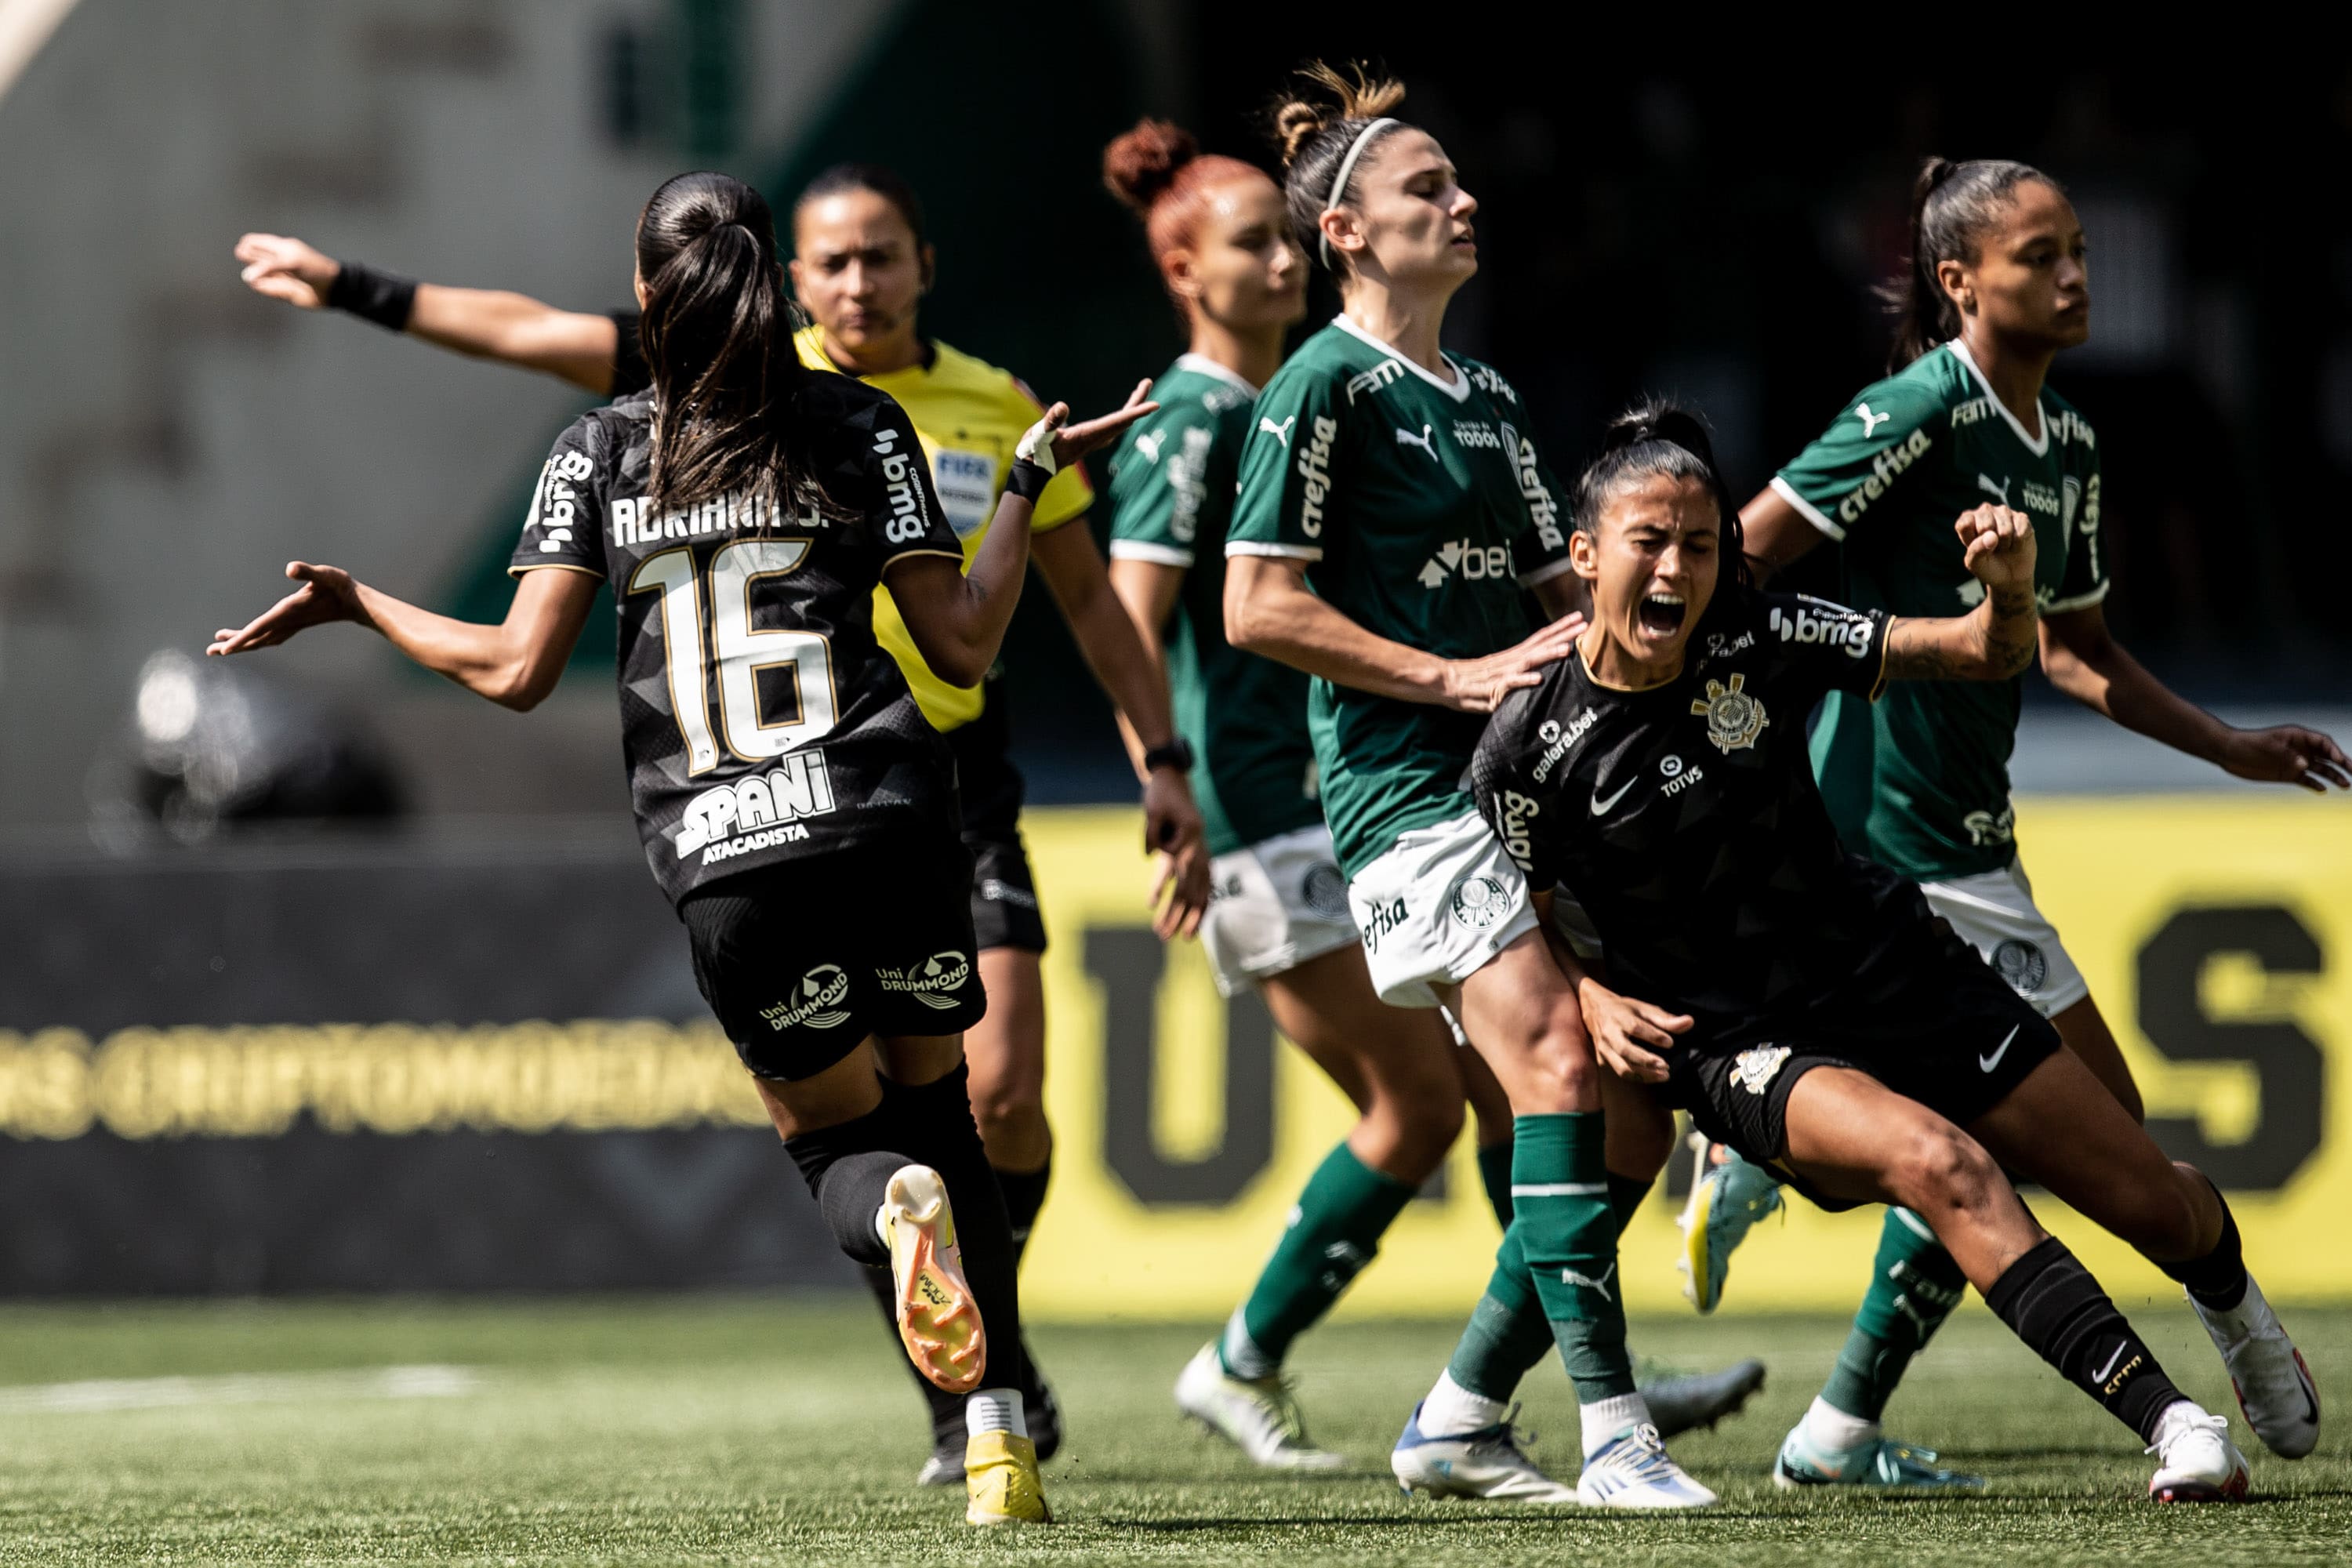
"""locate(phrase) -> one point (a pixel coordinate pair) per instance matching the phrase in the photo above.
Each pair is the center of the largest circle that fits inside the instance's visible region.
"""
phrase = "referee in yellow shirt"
(861, 264)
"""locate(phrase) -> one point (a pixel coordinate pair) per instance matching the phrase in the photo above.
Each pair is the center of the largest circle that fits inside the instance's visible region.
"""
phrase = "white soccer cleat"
(1487, 1463)
(2273, 1387)
(1260, 1418)
(2196, 1461)
(1634, 1472)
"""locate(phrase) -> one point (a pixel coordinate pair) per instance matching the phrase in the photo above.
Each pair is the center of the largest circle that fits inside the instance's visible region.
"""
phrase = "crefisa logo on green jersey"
(1315, 467)
(1897, 457)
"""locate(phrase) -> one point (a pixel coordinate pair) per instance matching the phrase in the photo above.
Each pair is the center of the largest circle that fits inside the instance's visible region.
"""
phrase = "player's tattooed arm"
(1994, 641)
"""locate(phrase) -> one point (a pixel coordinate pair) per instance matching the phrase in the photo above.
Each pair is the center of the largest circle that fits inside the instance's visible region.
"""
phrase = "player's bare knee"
(1942, 1169)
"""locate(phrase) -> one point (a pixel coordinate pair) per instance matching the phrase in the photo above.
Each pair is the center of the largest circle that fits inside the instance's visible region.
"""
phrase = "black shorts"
(1965, 1042)
(989, 788)
(803, 961)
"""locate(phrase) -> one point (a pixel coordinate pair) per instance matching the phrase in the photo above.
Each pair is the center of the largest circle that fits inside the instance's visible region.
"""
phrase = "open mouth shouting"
(1660, 616)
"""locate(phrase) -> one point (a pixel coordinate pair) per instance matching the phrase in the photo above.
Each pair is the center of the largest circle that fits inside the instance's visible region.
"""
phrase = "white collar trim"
(1202, 364)
(1960, 352)
(1457, 389)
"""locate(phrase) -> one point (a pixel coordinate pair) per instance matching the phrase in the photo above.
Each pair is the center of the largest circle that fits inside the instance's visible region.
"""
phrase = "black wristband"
(384, 298)
(1176, 753)
(1027, 481)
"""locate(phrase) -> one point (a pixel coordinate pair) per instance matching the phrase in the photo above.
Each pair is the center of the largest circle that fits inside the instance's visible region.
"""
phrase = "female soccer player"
(1806, 1005)
(1997, 286)
(1391, 513)
(862, 264)
(793, 802)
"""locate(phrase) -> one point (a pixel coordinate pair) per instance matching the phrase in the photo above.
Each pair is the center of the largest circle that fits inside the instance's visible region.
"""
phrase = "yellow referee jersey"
(969, 415)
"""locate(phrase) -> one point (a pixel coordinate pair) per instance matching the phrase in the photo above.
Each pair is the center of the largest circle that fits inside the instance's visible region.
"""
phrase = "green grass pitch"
(752, 1430)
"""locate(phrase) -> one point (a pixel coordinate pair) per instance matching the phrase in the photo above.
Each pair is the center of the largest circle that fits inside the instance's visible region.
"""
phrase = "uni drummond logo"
(815, 1002)
(932, 982)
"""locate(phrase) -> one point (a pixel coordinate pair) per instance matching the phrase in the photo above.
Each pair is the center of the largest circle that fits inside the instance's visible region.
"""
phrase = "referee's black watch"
(1176, 753)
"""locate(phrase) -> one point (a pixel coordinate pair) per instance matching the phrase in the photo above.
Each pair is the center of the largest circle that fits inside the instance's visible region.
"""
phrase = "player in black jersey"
(1804, 1004)
(793, 800)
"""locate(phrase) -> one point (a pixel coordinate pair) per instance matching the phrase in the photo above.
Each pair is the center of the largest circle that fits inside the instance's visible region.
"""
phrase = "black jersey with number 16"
(761, 720)
(1683, 818)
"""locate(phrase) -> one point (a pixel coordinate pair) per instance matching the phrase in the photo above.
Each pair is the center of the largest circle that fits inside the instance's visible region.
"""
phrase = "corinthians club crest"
(1734, 718)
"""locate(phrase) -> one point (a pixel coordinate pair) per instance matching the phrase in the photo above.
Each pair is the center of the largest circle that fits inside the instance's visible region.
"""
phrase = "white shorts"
(1995, 913)
(1436, 907)
(1273, 906)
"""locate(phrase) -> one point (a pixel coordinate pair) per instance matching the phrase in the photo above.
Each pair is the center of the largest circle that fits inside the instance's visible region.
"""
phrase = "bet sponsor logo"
(1315, 467)
(1885, 467)
(1556, 740)
(1734, 718)
(758, 811)
(1476, 564)
(933, 981)
(1825, 625)
(1542, 509)
(815, 1004)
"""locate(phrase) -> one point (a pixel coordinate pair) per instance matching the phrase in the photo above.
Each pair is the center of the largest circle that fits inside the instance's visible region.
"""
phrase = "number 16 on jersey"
(794, 669)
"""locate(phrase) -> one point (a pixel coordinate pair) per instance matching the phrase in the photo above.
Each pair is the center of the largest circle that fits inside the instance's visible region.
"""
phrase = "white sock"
(1606, 1420)
(994, 1410)
(1451, 1410)
(882, 1225)
(1832, 1428)
(1239, 1355)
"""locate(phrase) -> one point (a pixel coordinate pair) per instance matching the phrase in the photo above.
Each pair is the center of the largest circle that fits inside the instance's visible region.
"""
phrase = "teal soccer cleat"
(1881, 1463)
(1726, 1201)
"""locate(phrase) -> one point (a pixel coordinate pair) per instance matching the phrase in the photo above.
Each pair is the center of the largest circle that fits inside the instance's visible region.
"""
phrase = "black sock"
(946, 1410)
(2218, 1279)
(847, 1168)
(1025, 1194)
(1625, 1195)
(939, 1125)
(2050, 1300)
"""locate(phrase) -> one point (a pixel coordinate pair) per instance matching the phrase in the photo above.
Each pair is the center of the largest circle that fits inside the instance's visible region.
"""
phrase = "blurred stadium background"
(448, 1042)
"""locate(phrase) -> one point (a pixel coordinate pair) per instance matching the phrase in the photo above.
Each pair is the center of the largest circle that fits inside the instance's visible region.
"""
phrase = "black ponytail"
(1659, 439)
(1953, 205)
(718, 335)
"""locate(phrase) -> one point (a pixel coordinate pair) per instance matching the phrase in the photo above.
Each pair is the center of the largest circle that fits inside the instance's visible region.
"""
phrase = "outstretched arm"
(1270, 610)
(515, 664)
(484, 323)
(1995, 640)
(1774, 534)
(2084, 660)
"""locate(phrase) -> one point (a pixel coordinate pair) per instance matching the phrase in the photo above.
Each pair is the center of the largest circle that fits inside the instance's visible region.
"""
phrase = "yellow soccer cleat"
(1000, 1478)
(938, 1322)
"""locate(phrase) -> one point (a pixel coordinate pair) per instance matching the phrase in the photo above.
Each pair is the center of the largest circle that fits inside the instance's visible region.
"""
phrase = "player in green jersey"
(1391, 512)
(1997, 286)
(1277, 918)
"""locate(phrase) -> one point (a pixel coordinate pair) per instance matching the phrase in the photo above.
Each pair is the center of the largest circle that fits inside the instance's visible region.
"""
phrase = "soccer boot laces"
(1683, 1400)
(1881, 1463)
(2273, 1387)
(1725, 1201)
(1001, 1481)
(939, 1321)
(1487, 1463)
(2196, 1461)
(1633, 1471)
(1258, 1415)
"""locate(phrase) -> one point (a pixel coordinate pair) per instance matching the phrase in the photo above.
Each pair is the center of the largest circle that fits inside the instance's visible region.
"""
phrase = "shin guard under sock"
(1494, 1175)
(1914, 1286)
(1335, 1230)
(2050, 1300)
(848, 1168)
(937, 1116)
(2218, 1280)
(1569, 1237)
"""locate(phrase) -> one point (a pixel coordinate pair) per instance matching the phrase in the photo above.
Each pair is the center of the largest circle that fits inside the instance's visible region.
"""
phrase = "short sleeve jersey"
(1171, 491)
(1422, 511)
(1923, 780)
(761, 720)
(1684, 820)
(969, 415)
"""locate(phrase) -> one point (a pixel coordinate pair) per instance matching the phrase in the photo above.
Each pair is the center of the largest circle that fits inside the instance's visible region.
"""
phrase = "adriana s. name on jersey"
(760, 718)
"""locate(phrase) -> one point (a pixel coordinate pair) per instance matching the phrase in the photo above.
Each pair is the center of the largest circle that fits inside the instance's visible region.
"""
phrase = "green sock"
(1568, 1235)
(1507, 1333)
(1334, 1231)
(1914, 1286)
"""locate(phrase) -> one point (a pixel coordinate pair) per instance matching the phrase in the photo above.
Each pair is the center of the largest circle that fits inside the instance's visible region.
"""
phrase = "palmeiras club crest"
(1734, 718)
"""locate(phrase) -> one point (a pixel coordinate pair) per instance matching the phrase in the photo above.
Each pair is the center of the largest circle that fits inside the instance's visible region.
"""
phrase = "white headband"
(1348, 167)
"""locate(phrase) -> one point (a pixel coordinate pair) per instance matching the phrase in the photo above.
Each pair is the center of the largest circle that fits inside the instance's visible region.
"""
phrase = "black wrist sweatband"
(1027, 480)
(384, 298)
